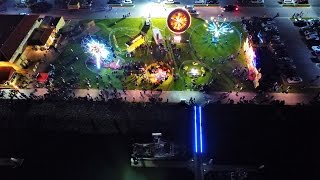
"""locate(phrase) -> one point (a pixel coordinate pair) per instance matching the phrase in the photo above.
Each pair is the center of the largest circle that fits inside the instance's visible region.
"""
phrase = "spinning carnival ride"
(218, 27)
(178, 21)
(98, 49)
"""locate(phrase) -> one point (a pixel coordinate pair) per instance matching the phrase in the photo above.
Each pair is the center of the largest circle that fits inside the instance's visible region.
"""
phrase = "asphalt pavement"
(298, 50)
(102, 10)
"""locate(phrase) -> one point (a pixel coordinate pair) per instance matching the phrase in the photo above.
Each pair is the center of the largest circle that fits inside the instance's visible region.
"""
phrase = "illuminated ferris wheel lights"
(178, 21)
(97, 49)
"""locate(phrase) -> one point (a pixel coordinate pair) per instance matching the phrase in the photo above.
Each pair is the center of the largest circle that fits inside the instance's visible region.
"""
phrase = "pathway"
(178, 96)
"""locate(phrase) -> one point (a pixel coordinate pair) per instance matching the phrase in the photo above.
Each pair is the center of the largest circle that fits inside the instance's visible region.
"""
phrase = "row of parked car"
(263, 32)
(310, 30)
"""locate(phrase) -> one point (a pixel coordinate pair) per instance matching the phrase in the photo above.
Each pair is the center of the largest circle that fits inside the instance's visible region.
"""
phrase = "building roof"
(6, 74)
(49, 21)
(14, 28)
(40, 36)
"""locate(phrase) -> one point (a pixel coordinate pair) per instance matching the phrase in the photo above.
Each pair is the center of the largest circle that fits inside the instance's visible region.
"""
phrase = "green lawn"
(124, 29)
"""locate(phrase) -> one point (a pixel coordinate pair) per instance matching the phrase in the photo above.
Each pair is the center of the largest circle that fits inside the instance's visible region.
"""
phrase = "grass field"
(124, 29)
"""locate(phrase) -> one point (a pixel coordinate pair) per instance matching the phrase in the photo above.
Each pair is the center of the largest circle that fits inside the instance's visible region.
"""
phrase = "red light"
(237, 9)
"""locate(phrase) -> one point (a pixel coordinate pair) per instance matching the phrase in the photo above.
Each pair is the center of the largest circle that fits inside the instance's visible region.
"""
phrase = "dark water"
(285, 140)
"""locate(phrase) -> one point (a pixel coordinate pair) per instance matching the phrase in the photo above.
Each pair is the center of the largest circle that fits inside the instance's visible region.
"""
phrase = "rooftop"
(40, 36)
(14, 29)
(50, 21)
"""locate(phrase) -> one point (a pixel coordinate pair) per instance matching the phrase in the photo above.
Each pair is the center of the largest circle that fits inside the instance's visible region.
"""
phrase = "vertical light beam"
(200, 127)
(195, 129)
(98, 61)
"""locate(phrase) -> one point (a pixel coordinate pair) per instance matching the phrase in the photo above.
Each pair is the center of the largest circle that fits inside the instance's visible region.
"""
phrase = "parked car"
(314, 22)
(127, 1)
(193, 12)
(212, 1)
(302, 29)
(294, 80)
(275, 37)
(316, 53)
(309, 32)
(276, 45)
(316, 48)
(270, 28)
(285, 60)
(268, 23)
(281, 53)
(312, 37)
(316, 59)
(287, 66)
(313, 42)
(230, 8)
(300, 22)
(276, 41)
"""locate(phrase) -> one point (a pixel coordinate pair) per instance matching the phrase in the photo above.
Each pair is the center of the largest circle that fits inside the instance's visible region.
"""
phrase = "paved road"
(101, 10)
(177, 96)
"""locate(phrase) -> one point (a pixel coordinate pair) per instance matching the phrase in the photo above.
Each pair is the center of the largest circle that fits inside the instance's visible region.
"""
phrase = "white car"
(312, 37)
(309, 32)
(257, 1)
(268, 23)
(288, 1)
(316, 48)
(199, 2)
(270, 27)
(127, 1)
(170, 1)
(294, 80)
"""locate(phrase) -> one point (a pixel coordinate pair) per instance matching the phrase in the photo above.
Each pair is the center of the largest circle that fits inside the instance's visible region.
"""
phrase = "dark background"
(92, 140)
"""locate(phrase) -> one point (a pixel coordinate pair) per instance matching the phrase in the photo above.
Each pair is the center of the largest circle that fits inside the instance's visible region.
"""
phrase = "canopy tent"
(42, 77)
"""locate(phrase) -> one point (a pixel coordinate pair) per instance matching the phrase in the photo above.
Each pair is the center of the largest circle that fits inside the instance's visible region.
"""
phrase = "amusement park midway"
(155, 10)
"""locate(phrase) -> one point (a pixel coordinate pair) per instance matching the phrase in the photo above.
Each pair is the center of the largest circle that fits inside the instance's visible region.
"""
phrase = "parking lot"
(298, 50)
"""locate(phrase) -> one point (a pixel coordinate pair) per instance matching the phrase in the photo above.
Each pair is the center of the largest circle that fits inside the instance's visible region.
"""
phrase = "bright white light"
(98, 50)
(177, 39)
(153, 10)
(194, 72)
(218, 28)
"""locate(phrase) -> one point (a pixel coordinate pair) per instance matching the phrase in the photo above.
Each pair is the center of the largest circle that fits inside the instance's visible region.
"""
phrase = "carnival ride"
(218, 27)
(158, 72)
(254, 74)
(99, 50)
(178, 21)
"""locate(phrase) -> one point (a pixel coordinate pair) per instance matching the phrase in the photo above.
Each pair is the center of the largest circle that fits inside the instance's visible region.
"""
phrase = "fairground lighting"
(218, 27)
(96, 49)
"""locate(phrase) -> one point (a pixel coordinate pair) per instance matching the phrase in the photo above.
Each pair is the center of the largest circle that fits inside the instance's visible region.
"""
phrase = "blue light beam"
(200, 127)
(195, 129)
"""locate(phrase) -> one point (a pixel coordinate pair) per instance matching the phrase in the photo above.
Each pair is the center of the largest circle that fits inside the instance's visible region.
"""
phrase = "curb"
(296, 5)
(122, 5)
(206, 5)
